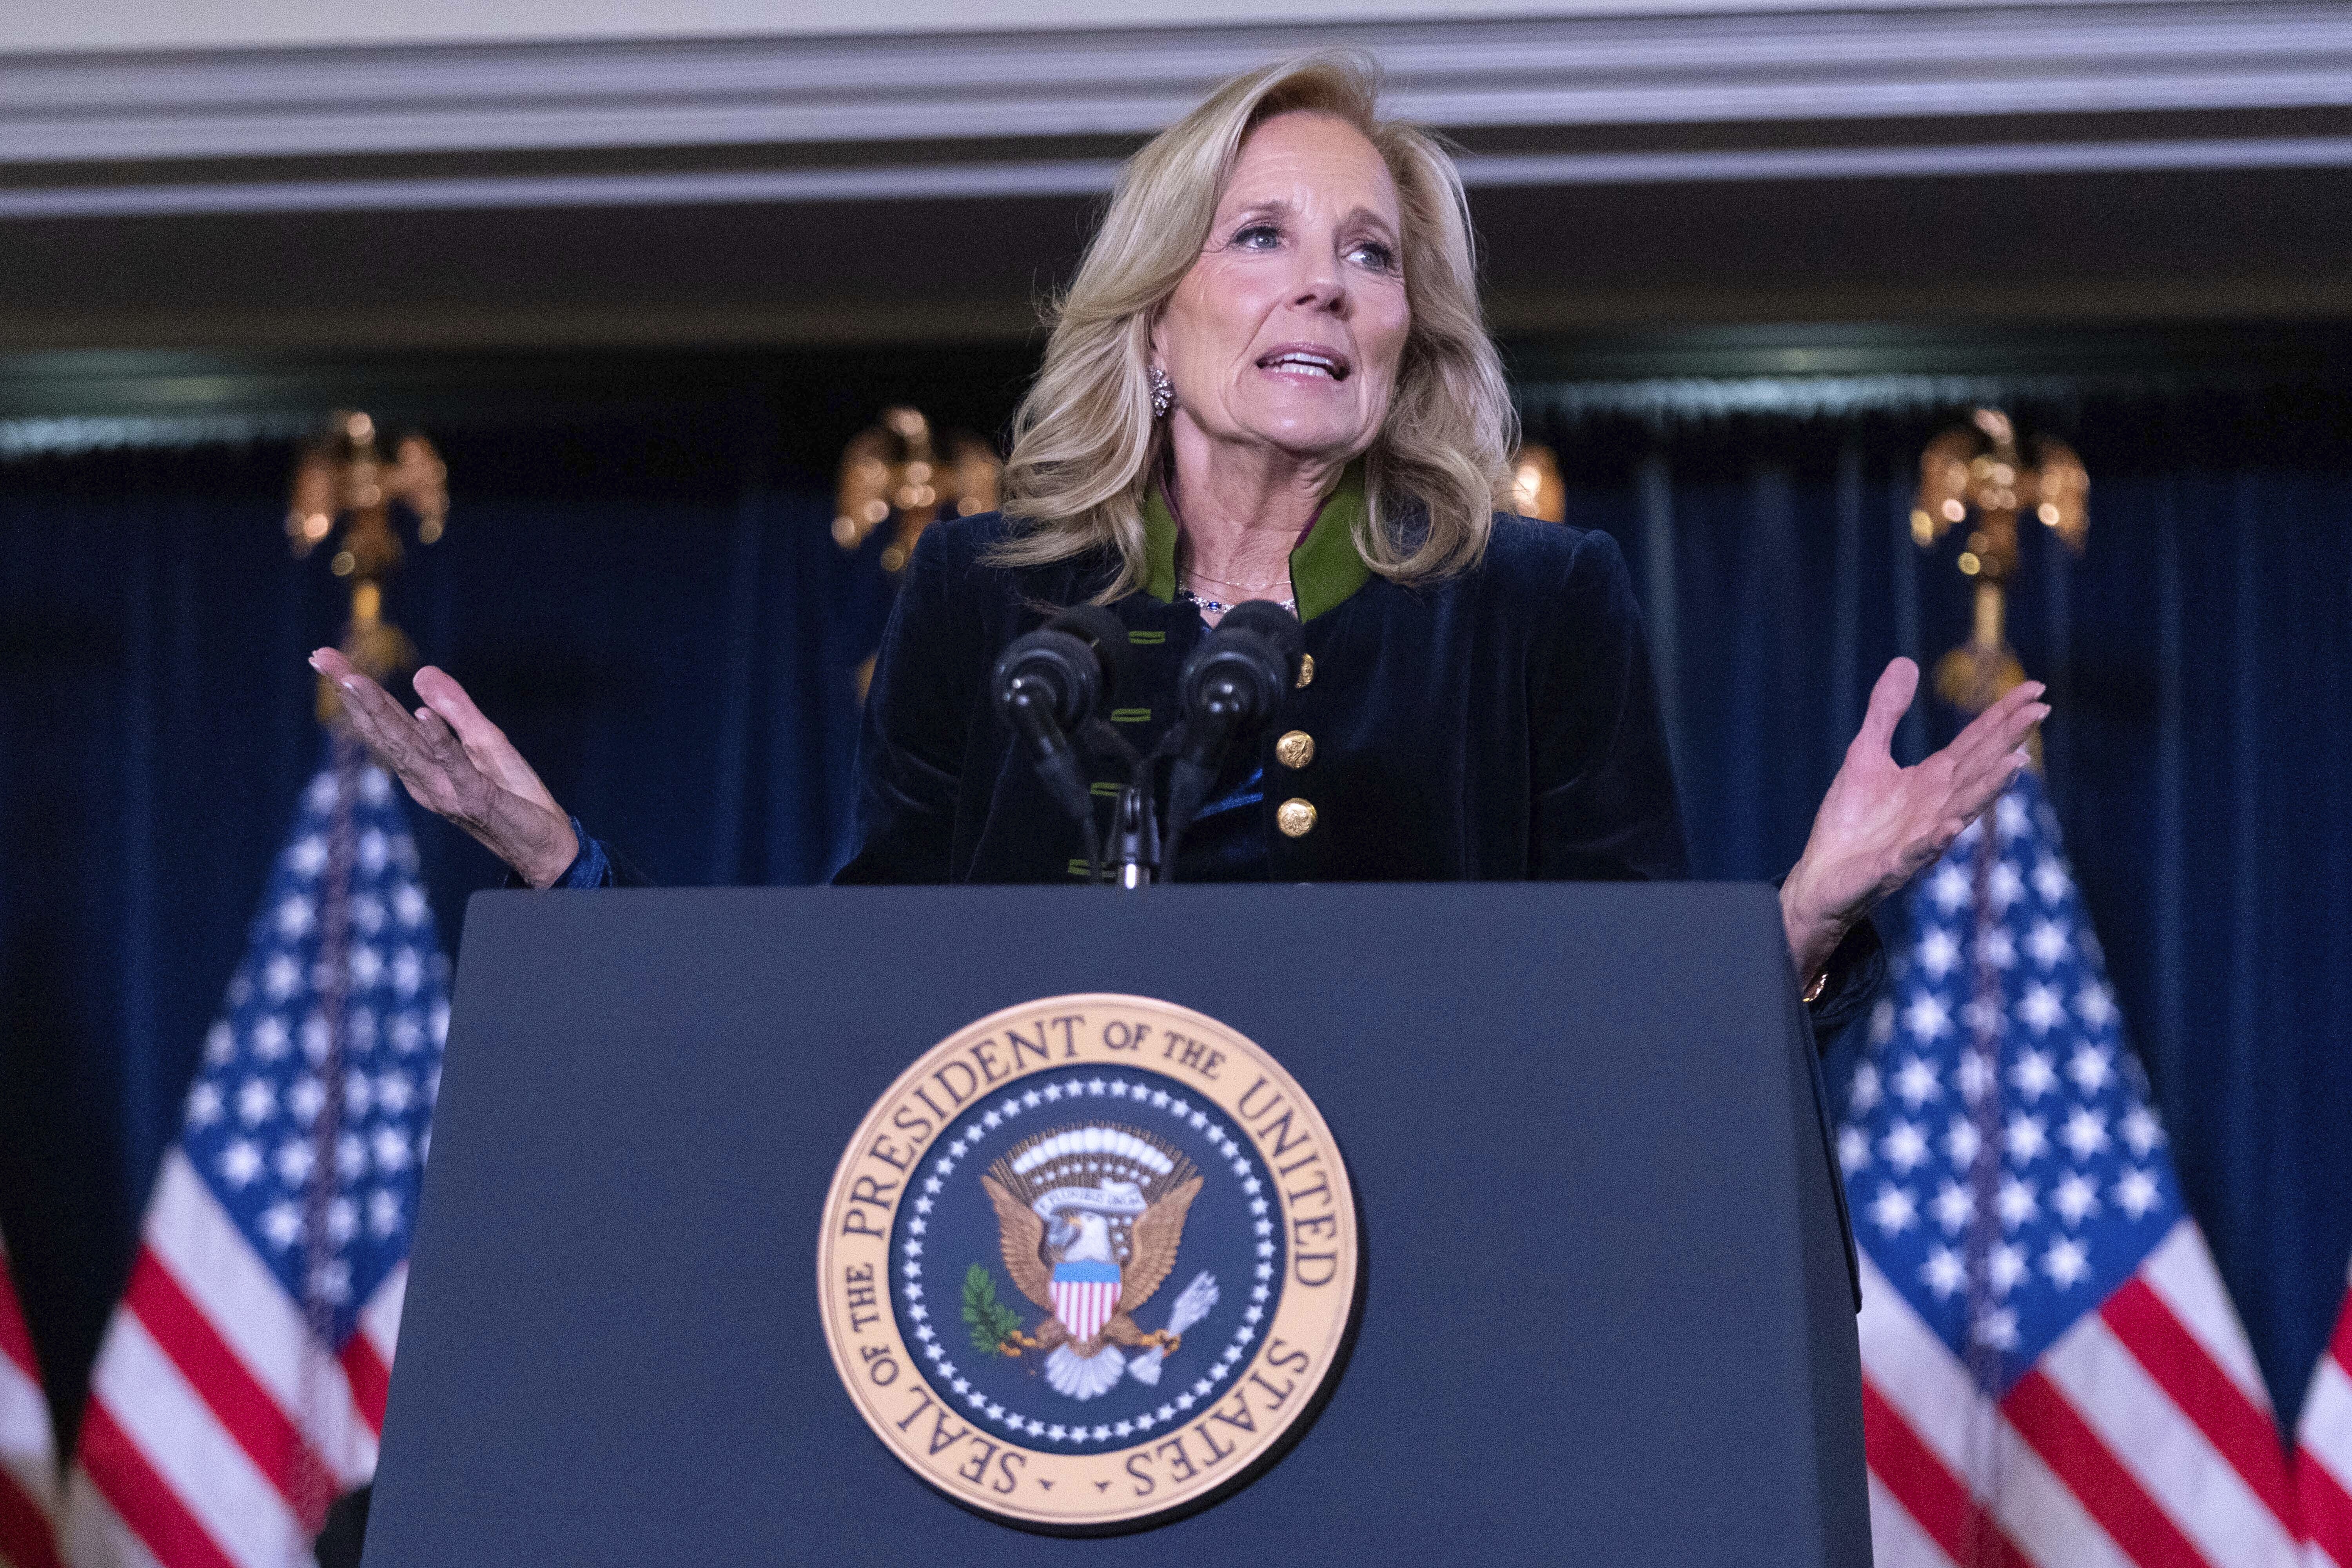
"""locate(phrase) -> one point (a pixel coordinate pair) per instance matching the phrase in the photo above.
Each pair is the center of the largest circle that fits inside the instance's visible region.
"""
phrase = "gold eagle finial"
(341, 475)
(1977, 468)
(897, 467)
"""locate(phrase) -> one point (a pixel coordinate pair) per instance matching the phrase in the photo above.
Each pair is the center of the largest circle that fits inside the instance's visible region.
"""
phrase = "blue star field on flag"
(2002, 1162)
(259, 1121)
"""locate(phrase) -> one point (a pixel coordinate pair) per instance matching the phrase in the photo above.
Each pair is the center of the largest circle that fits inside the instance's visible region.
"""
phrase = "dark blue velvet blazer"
(1498, 724)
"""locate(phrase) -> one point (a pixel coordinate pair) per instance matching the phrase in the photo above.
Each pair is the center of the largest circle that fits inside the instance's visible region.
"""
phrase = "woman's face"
(1287, 330)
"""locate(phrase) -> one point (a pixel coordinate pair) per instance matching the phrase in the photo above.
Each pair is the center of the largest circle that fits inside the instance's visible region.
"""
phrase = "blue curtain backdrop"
(656, 611)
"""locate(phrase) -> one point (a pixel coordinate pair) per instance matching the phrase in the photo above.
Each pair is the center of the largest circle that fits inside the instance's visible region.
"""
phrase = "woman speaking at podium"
(1270, 380)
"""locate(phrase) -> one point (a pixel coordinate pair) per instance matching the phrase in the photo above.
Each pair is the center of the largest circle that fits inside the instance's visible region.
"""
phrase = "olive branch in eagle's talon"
(995, 1327)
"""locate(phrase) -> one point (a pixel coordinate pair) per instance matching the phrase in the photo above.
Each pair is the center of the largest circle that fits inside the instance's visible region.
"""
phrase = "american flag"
(240, 1386)
(28, 1463)
(2323, 1477)
(2051, 1371)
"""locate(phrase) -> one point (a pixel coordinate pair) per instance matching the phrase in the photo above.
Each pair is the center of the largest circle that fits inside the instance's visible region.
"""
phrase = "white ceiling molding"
(1037, 177)
(1673, 65)
(92, 25)
(1093, 176)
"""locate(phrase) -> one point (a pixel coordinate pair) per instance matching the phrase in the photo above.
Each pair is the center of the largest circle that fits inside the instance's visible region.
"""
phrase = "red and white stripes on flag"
(2323, 1453)
(28, 1463)
(219, 1429)
(241, 1384)
(2143, 1435)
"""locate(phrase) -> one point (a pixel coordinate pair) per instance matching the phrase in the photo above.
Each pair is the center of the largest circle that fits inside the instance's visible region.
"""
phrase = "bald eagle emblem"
(1090, 1218)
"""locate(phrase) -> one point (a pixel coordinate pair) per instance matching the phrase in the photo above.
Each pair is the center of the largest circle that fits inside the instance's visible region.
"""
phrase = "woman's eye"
(1258, 237)
(1371, 253)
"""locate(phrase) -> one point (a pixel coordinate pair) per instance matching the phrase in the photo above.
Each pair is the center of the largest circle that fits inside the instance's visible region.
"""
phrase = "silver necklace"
(1217, 608)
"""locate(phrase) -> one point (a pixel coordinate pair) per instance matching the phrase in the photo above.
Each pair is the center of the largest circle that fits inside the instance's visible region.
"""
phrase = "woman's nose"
(1324, 293)
(1321, 286)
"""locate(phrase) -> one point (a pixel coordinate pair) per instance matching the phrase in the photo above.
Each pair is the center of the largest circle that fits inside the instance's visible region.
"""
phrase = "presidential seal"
(1089, 1263)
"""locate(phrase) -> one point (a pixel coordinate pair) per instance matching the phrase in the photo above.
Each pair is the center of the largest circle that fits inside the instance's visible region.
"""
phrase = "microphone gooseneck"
(1136, 844)
(1050, 683)
(1230, 687)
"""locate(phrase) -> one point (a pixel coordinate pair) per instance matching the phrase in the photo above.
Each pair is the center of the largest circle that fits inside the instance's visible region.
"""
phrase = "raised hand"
(457, 764)
(1882, 824)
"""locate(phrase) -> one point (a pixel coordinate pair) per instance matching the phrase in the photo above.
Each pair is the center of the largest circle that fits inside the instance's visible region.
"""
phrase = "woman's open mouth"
(1295, 361)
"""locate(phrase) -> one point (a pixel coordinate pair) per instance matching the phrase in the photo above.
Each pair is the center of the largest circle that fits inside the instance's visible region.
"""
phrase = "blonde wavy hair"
(1085, 444)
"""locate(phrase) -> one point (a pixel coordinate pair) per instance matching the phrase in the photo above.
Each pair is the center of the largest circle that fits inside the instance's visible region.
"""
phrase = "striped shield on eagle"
(1086, 1293)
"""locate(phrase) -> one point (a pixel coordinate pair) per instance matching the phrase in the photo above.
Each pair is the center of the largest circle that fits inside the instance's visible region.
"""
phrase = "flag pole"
(1977, 471)
(342, 477)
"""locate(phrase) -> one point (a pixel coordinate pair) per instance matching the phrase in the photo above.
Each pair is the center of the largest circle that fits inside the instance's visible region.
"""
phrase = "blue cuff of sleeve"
(590, 867)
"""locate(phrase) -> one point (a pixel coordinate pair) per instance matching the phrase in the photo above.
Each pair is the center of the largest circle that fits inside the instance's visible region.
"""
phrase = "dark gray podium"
(1607, 1313)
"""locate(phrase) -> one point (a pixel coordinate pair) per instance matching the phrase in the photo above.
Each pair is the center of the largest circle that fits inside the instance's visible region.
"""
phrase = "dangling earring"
(1163, 392)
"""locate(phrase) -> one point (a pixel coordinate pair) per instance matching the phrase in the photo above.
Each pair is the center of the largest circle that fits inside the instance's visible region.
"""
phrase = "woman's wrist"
(1813, 933)
(543, 864)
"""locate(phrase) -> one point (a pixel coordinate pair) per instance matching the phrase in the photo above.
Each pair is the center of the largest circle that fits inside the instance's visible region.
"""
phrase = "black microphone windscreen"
(1101, 631)
(1271, 621)
(1092, 623)
(1059, 663)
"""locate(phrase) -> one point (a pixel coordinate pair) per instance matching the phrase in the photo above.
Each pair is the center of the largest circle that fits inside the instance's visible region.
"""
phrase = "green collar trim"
(1159, 547)
(1326, 567)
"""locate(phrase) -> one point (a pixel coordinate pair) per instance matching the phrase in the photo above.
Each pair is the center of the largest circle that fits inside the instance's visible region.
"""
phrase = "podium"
(1607, 1294)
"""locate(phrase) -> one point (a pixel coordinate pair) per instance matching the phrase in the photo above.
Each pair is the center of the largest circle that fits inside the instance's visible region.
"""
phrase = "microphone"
(1051, 681)
(1230, 687)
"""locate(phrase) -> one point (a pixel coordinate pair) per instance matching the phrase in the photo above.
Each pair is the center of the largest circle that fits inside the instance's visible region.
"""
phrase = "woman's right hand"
(457, 764)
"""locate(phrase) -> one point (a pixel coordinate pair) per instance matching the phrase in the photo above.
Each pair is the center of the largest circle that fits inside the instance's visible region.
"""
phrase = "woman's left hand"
(1882, 824)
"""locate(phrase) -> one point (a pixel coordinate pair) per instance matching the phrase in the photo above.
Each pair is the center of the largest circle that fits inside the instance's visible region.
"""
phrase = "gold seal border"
(1310, 1321)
